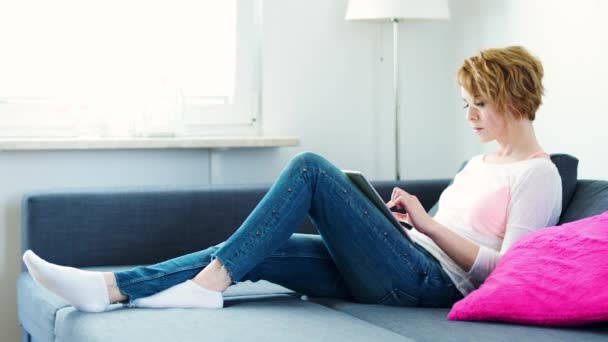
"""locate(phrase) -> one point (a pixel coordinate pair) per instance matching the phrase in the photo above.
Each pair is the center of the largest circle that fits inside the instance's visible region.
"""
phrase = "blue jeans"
(357, 256)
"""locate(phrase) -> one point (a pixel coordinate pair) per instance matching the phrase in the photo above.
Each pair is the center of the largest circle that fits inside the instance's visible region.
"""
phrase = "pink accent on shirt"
(488, 216)
(533, 155)
(538, 153)
(493, 205)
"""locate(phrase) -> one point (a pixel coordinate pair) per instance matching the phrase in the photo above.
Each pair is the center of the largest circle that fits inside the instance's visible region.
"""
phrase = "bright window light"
(113, 67)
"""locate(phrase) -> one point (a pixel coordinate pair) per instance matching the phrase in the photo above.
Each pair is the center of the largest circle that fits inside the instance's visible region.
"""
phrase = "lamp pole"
(396, 10)
(396, 92)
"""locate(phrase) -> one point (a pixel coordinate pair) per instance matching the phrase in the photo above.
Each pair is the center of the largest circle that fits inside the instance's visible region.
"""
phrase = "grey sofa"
(115, 228)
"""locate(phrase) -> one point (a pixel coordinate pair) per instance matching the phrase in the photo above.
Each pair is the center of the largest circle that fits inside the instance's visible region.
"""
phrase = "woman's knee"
(309, 159)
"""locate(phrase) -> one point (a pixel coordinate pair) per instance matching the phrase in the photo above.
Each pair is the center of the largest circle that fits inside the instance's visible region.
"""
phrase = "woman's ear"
(512, 113)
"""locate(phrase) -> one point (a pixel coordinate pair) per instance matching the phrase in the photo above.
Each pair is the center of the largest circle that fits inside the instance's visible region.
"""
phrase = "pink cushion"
(555, 276)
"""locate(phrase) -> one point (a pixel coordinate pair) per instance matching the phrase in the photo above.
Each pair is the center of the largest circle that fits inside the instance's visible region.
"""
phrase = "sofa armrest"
(109, 227)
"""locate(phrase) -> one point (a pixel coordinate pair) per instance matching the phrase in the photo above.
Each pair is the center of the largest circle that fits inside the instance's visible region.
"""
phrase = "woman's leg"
(268, 227)
(375, 261)
(302, 264)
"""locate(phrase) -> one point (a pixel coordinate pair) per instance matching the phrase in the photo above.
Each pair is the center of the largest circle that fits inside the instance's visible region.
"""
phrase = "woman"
(358, 255)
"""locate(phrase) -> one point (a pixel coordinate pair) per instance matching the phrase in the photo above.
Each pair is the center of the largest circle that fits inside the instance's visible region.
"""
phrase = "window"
(74, 68)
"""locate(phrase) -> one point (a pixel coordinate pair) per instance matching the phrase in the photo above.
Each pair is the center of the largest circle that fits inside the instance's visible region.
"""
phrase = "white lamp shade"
(397, 9)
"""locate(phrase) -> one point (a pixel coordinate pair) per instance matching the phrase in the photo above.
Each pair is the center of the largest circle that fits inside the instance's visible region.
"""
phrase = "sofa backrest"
(567, 166)
(105, 227)
(97, 227)
(590, 198)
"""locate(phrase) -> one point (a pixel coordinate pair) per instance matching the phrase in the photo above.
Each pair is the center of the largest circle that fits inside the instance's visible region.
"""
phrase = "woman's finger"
(395, 203)
(400, 200)
(394, 194)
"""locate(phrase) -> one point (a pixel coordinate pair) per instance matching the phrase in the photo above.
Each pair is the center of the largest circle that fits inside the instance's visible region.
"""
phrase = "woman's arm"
(463, 251)
(535, 203)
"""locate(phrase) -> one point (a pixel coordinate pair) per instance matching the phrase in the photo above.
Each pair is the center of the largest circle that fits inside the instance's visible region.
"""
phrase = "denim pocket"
(437, 277)
(396, 297)
(412, 263)
(434, 278)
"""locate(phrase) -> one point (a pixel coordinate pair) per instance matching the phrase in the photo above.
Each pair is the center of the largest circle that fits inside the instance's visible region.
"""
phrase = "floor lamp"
(396, 10)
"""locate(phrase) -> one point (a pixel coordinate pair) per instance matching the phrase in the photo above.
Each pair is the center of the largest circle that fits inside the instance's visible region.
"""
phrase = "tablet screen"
(368, 190)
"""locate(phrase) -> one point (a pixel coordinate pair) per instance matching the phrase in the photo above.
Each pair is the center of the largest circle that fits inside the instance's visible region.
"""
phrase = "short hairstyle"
(509, 77)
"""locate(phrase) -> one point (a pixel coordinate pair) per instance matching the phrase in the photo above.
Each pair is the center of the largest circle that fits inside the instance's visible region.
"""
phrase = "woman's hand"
(415, 213)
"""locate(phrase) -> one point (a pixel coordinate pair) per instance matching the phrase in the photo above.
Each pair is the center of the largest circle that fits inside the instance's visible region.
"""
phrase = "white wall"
(329, 81)
(570, 38)
(320, 73)
(437, 136)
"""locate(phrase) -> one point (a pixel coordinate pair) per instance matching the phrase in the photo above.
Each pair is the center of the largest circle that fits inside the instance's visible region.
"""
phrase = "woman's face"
(485, 120)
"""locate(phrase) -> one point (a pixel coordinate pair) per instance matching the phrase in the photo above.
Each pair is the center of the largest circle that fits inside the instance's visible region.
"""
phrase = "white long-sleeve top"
(493, 205)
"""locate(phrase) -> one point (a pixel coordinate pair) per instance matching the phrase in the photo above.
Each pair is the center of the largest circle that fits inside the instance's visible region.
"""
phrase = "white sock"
(85, 290)
(184, 295)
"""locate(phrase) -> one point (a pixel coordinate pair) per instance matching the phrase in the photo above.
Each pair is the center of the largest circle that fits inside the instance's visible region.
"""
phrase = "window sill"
(41, 144)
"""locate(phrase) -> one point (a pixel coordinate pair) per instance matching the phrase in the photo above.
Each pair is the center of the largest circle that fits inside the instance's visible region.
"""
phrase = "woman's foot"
(213, 277)
(85, 290)
(204, 291)
(184, 295)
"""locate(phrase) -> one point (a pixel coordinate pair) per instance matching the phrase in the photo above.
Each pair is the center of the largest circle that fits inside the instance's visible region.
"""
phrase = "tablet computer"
(368, 190)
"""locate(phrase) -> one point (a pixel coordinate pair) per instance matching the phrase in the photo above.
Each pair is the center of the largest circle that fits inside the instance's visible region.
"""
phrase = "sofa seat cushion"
(263, 318)
(37, 307)
(431, 324)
